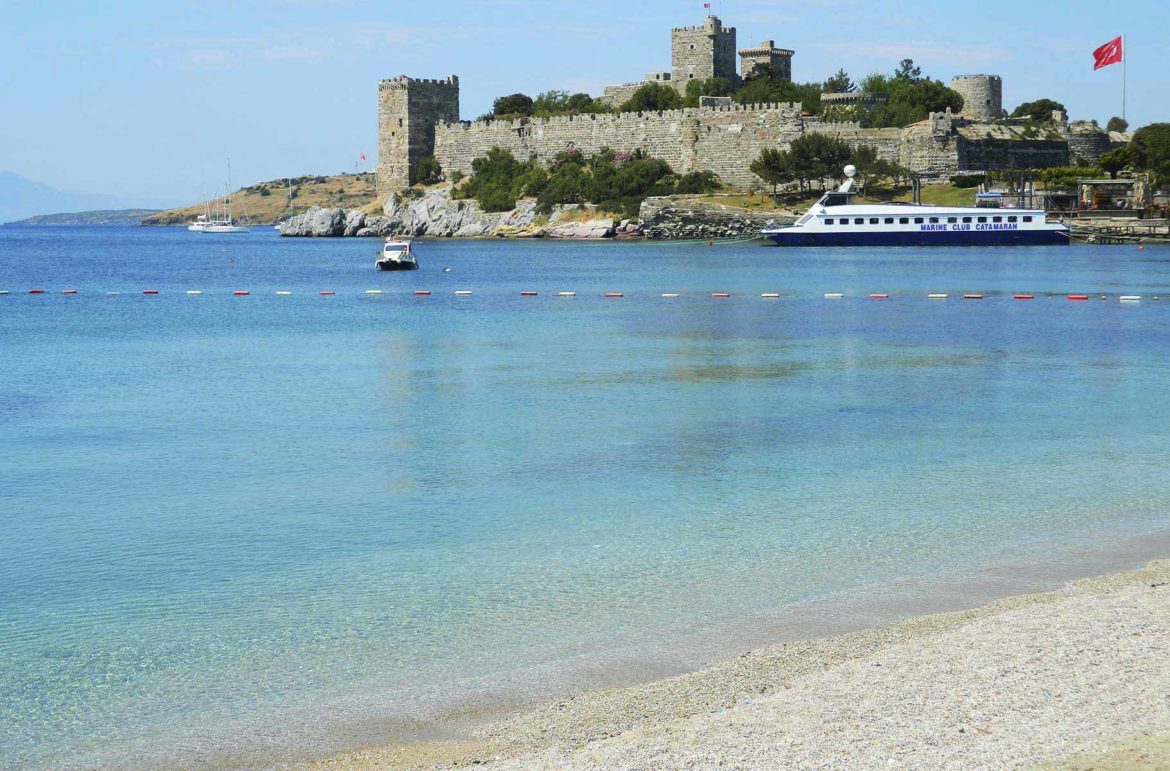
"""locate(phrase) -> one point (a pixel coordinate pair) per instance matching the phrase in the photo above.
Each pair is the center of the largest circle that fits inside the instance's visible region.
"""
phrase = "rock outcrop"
(672, 218)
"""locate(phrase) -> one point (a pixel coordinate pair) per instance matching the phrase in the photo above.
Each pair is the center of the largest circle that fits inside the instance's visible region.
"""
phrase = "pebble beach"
(1077, 678)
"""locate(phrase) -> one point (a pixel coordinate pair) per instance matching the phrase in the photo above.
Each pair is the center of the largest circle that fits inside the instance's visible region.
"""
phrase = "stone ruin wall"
(724, 141)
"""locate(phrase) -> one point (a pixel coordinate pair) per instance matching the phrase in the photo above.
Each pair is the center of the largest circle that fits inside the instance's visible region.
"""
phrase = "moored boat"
(397, 255)
(835, 220)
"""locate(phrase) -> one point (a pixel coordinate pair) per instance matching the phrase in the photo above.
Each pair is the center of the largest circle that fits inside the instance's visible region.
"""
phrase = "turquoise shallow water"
(263, 524)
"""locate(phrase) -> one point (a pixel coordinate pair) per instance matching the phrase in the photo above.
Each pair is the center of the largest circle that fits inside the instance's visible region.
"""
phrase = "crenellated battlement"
(793, 108)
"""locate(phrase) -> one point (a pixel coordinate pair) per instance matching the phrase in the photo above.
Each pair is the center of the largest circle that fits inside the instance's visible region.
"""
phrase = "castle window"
(691, 76)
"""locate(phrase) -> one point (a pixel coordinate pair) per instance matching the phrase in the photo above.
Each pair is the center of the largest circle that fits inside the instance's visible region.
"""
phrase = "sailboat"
(223, 222)
(203, 220)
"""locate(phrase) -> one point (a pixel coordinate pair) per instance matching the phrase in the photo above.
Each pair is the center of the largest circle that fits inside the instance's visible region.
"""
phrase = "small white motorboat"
(396, 255)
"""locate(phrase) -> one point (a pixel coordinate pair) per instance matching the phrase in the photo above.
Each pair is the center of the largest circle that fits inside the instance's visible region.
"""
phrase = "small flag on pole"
(707, 6)
(1110, 53)
(363, 155)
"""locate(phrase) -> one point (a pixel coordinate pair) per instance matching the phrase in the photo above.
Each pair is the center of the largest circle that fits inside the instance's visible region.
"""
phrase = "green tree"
(1040, 110)
(840, 83)
(768, 85)
(500, 179)
(818, 156)
(774, 167)
(652, 97)
(428, 171)
(563, 103)
(513, 104)
(1117, 124)
(708, 87)
(1151, 150)
(1115, 160)
(908, 72)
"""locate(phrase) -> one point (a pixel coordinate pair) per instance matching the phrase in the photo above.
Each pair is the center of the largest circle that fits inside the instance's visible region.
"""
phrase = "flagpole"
(1124, 75)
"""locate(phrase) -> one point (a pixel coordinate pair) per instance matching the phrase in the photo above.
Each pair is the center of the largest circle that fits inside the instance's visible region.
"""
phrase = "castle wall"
(982, 96)
(982, 155)
(724, 141)
(1089, 145)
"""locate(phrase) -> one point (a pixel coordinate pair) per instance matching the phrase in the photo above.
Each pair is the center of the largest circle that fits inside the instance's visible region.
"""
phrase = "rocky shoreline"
(435, 214)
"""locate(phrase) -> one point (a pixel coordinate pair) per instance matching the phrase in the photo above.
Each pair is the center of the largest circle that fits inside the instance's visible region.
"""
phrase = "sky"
(148, 99)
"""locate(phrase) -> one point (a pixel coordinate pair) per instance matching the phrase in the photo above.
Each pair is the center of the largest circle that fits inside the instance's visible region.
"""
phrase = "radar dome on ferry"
(851, 171)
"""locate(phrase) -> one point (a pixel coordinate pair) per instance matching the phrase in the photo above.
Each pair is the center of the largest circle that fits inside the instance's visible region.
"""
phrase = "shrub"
(967, 181)
(428, 171)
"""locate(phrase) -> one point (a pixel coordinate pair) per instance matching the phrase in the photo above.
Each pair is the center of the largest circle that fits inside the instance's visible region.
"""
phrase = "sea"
(246, 529)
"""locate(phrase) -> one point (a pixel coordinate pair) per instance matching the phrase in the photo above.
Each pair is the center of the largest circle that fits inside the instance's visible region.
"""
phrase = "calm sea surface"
(261, 525)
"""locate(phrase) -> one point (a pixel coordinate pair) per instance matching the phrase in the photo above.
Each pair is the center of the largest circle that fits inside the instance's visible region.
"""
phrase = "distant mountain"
(102, 217)
(21, 198)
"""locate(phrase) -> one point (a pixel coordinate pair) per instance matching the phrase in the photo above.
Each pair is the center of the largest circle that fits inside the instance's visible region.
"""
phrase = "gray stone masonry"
(779, 59)
(408, 111)
(698, 53)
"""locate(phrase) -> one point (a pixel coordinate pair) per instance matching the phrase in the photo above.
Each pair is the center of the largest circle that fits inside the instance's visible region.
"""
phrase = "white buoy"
(566, 294)
(937, 296)
(3, 291)
(1131, 298)
(833, 295)
(670, 294)
(463, 293)
(194, 291)
(283, 293)
(373, 291)
(771, 295)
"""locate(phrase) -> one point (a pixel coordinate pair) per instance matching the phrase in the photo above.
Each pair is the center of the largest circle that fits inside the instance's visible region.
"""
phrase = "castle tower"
(408, 110)
(698, 53)
(766, 53)
(982, 96)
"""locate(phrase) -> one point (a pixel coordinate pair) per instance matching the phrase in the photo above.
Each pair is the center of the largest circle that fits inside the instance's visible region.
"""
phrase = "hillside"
(102, 217)
(269, 201)
(21, 198)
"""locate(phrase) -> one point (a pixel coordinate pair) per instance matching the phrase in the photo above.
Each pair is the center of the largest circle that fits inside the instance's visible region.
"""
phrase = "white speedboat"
(835, 220)
(396, 255)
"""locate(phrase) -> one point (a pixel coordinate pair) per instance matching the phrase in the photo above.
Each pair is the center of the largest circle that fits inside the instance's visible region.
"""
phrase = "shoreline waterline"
(495, 726)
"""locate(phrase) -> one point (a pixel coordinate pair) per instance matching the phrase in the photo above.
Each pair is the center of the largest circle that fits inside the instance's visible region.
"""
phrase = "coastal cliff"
(435, 214)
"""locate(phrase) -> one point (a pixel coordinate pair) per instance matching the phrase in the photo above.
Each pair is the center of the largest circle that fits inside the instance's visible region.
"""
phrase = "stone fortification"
(721, 140)
(408, 110)
(982, 96)
(698, 53)
(768, 55)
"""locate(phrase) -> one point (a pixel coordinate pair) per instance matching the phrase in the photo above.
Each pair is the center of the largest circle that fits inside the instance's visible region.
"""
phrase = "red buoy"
(36, 291)
(241, 293)
(614, 294)
(422, 293)
(721, 295)
(879, 297)
(68, 291)
(1078, 297)
(327, 292)
(150, 291)
(1024, 297)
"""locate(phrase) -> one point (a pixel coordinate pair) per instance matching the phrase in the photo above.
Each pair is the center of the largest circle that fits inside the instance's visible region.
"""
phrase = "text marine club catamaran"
(836, 221)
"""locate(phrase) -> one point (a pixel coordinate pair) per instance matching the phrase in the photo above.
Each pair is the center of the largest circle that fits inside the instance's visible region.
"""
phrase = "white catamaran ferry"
(836, 221)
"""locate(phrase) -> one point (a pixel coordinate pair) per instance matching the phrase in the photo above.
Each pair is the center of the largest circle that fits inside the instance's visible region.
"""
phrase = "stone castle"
(420, 118)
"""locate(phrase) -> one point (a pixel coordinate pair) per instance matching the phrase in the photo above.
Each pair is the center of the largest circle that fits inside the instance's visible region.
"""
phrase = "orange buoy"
(68, 291)
(614, 294)
(879, 297)
(1078, 297)
(721, 295)
(36, 291)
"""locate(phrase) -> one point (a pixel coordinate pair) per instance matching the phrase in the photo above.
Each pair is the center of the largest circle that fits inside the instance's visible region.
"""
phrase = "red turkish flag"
(1110, 53)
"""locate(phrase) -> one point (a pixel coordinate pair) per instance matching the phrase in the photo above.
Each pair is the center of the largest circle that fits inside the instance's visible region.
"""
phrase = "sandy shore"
(1078, 678)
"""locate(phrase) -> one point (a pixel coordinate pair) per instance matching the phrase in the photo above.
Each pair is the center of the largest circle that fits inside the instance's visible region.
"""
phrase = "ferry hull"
(801, 237)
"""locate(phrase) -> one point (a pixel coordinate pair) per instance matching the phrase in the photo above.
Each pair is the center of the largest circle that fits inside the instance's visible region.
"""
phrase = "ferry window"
(903, 220)
(889, 220)
(1027, 219)
(859, 221)
(997, 219)
(952, 220)
(983, 219)
(966, 219)
(829, 221)
(844, 221)
(1012, 219)
(934, 220)
(917, 220)
(873, 220)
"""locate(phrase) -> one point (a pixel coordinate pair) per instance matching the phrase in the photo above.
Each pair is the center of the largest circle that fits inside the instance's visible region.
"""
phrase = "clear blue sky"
(146, 99)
